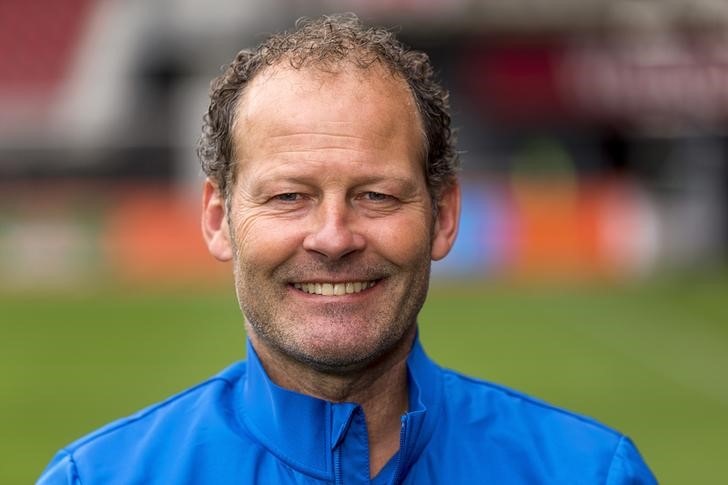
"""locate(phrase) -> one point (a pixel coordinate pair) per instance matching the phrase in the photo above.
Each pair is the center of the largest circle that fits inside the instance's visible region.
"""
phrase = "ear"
(446, 222)
(214, 222)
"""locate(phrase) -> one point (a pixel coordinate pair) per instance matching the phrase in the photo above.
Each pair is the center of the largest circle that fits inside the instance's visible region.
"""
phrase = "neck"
(380, 389)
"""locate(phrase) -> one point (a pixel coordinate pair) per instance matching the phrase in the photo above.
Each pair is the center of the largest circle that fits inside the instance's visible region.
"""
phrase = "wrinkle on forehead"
(312, 141)
(374, 90)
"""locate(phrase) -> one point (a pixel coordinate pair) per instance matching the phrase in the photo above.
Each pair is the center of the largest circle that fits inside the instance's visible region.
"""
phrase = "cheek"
(265, 241)
(403, 241)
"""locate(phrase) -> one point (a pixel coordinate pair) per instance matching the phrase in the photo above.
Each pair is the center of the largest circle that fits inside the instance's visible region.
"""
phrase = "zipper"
(400, 455)
(337, 466)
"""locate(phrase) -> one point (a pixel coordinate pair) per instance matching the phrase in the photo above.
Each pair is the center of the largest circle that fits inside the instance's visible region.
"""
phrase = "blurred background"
(590, 268)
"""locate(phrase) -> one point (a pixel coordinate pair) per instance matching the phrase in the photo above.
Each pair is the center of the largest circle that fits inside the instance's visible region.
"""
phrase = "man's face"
(331, 221)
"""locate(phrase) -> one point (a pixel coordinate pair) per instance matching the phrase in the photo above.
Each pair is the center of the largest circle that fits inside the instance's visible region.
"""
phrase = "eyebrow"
(407, 183)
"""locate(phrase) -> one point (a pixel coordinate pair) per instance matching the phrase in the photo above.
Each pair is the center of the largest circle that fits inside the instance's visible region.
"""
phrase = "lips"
(334, 289)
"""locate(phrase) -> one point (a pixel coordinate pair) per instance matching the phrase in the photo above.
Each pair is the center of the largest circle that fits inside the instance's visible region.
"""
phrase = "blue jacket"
(239, 427)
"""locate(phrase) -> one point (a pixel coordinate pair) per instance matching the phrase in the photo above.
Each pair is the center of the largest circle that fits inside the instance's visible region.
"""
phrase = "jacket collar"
(304, 431)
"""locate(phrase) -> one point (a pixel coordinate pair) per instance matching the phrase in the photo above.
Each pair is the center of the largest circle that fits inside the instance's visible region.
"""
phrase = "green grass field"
(650, 359)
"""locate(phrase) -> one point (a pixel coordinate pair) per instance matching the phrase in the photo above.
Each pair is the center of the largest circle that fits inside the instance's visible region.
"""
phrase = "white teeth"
(334, 289)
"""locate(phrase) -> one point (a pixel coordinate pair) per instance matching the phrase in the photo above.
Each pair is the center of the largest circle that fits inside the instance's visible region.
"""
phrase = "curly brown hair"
(327, 42)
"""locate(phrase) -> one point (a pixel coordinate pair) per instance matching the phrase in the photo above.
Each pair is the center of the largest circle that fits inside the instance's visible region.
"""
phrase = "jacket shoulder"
(172, 408)
(511, 434)
(156, 430)
(514, 404)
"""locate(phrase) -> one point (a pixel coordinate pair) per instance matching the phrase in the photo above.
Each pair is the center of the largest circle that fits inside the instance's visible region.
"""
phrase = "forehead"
(339, 99)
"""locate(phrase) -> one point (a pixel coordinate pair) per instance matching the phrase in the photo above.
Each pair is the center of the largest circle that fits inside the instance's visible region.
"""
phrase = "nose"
(332, 233)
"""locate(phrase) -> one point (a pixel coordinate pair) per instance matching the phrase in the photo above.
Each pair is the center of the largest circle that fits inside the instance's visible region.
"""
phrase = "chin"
(347, 352)
(338, 355)
(334, 344)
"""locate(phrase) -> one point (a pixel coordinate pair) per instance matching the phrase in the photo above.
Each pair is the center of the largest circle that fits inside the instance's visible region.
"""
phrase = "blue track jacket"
(241, 428)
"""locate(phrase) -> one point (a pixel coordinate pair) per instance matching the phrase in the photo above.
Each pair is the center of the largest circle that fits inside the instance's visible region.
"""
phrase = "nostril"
(334, 244)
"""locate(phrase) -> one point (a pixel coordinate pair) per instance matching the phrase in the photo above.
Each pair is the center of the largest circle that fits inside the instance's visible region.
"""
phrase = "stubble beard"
(388, 325)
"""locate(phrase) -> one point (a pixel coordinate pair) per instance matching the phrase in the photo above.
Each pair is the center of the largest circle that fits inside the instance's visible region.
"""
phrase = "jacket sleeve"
(628, 467)
(60, 471)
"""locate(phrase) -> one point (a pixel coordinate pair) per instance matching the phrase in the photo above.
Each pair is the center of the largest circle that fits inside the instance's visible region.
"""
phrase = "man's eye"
(377, 196)
(289, 197)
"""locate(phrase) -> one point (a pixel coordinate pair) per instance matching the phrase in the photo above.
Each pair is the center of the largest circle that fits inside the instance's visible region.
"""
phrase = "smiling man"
(331, 186)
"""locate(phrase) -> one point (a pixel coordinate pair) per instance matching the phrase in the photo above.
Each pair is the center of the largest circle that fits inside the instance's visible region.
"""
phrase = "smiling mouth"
(335, 289)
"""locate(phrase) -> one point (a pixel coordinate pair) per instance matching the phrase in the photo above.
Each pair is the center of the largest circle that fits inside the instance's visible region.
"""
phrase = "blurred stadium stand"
(593, 132)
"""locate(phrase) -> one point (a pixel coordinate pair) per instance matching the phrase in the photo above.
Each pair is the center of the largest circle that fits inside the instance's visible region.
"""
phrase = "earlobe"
(446, 222)
(214, 222)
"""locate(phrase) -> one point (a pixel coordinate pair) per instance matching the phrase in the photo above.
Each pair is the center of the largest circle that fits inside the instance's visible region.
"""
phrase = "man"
(331, 186)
